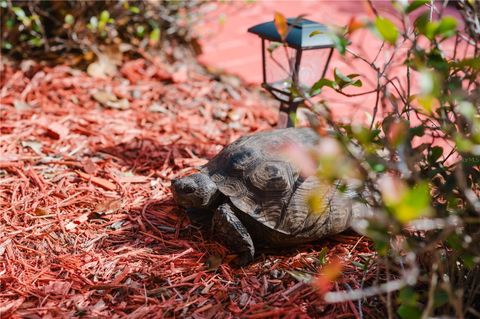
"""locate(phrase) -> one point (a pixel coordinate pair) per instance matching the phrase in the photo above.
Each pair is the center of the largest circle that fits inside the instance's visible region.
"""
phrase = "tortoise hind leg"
(229, 230)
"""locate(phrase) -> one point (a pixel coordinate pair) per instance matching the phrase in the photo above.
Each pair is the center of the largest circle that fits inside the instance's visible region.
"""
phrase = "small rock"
(244, 299)
(22, 106)
(181, 75)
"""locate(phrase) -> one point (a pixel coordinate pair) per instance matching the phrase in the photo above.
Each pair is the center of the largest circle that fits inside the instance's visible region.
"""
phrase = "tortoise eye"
(189, 189)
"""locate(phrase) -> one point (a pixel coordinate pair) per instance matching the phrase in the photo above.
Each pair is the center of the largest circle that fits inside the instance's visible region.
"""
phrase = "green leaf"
(421, 22)
(408, 296)
(322, 256)
(474, 63)
(35, 42)
(415, 4)
(409, 312)
(341, 44)
(387, 30)
(417, 130)
(314, 33)
(10, 23)
(102, 22)
(343, 80)
(468, 260)
(134, 9)
(359, 265)
(300, 276)
(316, 203)
(379, 167)
(317, 87)
(69, 19)
(430, 82)
(104, 16)
(273, 46)
(357, 83)
(93, 24)
(140, 30)
(434, 154)
(428, 103)
(155, 36)
(338, 39)
(440, 299)
(414, 204)
(435, 59)
(340, 78)
(21, 16)
(467, 110)
(19, 13)
(454, 242)
(293, 118)
(463, 144)
(6, 45)
(447, 27)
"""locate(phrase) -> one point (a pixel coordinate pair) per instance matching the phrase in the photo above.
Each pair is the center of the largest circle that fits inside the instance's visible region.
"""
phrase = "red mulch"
(88, 223)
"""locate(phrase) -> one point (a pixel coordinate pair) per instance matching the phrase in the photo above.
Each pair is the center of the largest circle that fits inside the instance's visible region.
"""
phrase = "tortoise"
(253, 196)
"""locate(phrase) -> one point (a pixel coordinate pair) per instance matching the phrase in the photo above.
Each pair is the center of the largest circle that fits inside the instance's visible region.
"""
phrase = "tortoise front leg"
(229, 230)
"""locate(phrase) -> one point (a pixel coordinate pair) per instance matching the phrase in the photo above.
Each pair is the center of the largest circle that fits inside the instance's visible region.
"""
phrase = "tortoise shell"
(254, 174)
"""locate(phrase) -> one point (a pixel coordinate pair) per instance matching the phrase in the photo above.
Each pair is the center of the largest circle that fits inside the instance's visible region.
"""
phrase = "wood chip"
(91, 228)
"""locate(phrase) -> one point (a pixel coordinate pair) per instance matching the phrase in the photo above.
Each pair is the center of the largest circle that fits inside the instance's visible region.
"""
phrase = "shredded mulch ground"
(88, 226)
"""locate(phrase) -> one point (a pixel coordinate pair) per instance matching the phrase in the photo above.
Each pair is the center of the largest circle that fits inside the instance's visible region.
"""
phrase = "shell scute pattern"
(272, 176)
(242, 159)
(260, 182)
(233, 187)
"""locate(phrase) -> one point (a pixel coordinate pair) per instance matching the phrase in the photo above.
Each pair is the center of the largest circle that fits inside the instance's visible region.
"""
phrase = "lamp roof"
(299, 35)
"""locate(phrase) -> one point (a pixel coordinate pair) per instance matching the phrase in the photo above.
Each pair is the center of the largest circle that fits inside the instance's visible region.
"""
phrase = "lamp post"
(296, 63)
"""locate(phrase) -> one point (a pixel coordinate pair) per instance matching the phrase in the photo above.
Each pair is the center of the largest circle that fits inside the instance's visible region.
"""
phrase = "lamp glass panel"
(279, 64)
(311, 67)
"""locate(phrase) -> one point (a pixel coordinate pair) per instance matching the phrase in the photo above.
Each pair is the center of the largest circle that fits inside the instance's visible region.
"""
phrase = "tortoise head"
(194, 191)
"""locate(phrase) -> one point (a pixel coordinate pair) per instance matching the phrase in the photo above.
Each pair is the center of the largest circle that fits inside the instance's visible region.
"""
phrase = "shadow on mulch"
(143, 156)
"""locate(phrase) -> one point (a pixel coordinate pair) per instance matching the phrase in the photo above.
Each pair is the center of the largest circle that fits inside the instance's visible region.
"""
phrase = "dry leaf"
(39, 211)
(104, 97)
(103, 68)
(213, 262)
(57, 131)
(89, 167)
(158, 108)
(109, 206)
(236, 114)
(81, 219)
(281, 25)
(34, 145)
(110, 100)
(328, 274)
(354, 24)
(58, 287)
(122, 104)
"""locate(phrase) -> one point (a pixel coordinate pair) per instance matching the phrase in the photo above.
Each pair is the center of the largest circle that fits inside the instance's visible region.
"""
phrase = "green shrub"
(418, 166)
(48, 29)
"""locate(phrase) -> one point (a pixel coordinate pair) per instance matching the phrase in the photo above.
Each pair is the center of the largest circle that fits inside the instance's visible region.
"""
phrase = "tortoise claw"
(243, 259)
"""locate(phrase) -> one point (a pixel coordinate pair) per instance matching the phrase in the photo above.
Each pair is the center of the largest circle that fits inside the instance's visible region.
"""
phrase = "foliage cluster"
(418, 166)
(48, 29)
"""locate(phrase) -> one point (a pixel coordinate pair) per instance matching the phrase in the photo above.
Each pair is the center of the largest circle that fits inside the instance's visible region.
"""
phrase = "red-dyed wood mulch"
(88, 227)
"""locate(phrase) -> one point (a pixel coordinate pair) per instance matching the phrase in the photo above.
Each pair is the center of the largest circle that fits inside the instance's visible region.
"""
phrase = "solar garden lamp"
(290, 67)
